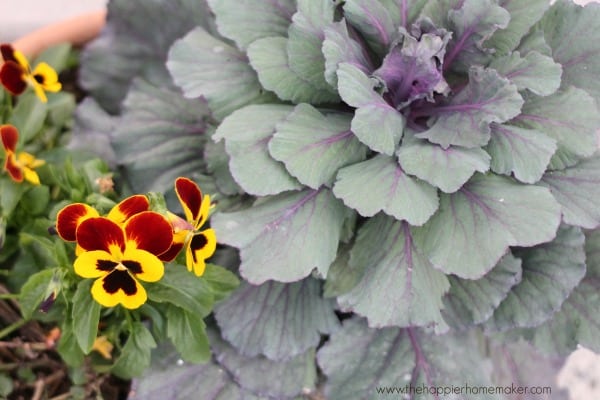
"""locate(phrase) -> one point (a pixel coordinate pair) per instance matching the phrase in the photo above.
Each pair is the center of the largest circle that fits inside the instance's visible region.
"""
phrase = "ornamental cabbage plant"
(406, 187)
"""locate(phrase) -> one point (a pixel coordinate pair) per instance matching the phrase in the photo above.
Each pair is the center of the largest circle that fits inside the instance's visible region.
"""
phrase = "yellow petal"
(103, 346)
(204, 210)
(94, 264)
(143, 265)
(49, 77)
(201, 246)
(22, 60)
(119, 287)
(31, 176)
(39, 90)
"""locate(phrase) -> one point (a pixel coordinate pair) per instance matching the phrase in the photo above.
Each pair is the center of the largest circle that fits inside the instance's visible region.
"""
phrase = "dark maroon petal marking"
(106, 265)
(119, 280)
(8, 53)
(39, 78)
(198, 242)
(133, 266)
(190, 195)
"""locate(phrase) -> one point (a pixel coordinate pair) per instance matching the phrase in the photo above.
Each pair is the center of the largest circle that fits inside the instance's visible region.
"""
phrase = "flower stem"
(12, 327)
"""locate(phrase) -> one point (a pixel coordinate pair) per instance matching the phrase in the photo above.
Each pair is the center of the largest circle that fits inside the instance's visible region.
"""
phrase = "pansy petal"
(190, 197)
(31, 176)
(94, 264)
(8, 52)
(150, 231)
(201, 246)
(13, 168)
(119, 287)
(47, 77)
(10, 137)
(204, 210)
(143, 265)
(99, 233)
(69, 217)
(172, 253)
(128, 208)
(12, 78)
(39, 91)
(20, 59)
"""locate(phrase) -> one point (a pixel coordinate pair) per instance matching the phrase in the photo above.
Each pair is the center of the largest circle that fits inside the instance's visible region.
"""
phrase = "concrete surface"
(581, 373)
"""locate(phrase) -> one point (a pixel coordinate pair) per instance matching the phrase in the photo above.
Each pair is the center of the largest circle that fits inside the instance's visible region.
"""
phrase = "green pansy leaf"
(569, 116)
(339, 47)
(447, 169)
(305, 41)
(475, 226)
(356, 89)
(471, 302)
(313, 145)
(248, 20)
(361, 362)
(220, 281)
(571, 31)
(399, 287)
(380, 184)
(159, 136)
(286, 236)
(11, 194)
(247, 132)
(373, 21)
(535, 72)
(28, 116)
(205, 66)
(550, 272)
(578, 321)
(34, 291)
(472, 23)
(465, 120)
(68, 347)
(187, 331)
(268, 56)
(523, 152)
(577, 189)
(275, 319)
(143, 52)
(135, 355)
(182, 289)
(523, 15)
(86, 315)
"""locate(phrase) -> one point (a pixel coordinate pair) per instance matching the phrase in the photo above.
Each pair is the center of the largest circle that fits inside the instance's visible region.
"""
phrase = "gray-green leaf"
(475, 226)
(534, 71)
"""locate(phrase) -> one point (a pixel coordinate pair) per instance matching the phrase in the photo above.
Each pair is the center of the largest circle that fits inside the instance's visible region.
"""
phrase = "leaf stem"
(12, 327)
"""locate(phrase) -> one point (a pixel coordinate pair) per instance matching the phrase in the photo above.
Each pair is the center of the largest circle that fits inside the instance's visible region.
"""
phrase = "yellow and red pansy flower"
(119, 256)
(16, 74)
(199, 245)
(20, 166)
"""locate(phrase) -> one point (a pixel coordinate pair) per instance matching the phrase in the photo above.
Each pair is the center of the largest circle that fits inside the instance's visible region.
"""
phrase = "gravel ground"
(581, 373)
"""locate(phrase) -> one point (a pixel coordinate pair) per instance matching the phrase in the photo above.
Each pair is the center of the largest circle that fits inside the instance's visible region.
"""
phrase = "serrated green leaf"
(471, 302)
(356, 89)
(275, 319)
(523, 15)
(525, 153)
(571, 31)
(268, 56)
(34, 291)
(249, 20)
(577, 189)
(28, 116)
(380, 184)
(313, 145)
(447, 169)
(360, 363)
(205, 66)
(472, 23)
(159, 136)
(182, 289)
(475, 226)
(86, 315)
(286, 236)
(220, 281)
(10, 195)
(559, 116)
(187, 332)
(373, 21)
(534, 71)
(68, 347)
(144, 52)
(577, 322)
(339, 47)
(135, 355)
(305, 42)
(247, 132)
(487, 98)
(399, 287)
(550, 272)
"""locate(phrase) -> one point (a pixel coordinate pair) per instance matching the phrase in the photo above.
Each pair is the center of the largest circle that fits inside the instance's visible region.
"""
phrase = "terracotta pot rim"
(77, 30)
